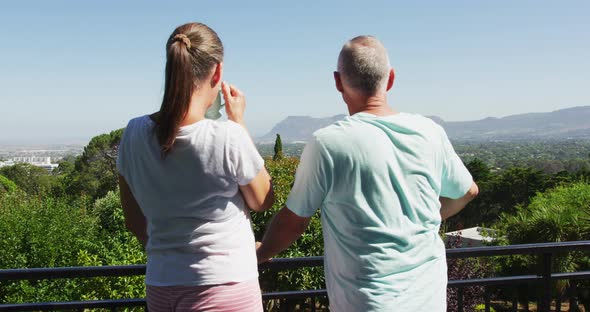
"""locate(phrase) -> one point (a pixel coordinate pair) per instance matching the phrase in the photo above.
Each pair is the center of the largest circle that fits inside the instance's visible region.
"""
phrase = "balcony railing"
(544, 278)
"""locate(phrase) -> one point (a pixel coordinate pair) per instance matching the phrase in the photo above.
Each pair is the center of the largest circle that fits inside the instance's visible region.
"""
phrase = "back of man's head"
(364, 65)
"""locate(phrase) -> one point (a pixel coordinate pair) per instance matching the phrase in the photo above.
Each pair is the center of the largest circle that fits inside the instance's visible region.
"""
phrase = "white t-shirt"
(198, 224)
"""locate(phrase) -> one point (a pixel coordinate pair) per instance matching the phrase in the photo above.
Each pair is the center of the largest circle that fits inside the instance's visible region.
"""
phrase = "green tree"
(479, 170)
(310, 244)
(95, 171)
(560, 214)
(41, 231)
(29, 178)
(278, 148)
(6, 185)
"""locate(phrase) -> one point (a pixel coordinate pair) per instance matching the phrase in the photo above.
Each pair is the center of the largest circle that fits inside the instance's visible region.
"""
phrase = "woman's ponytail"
(191, 53)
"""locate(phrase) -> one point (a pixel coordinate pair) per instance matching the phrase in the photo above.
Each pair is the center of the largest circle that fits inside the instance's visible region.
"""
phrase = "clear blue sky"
(74, 69)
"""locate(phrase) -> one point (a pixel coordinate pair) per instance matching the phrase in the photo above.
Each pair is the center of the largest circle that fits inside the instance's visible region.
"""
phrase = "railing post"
(515, 300)
(526, 297)
(460, 299)
(573, 300)
(487, 298)
(546, 293)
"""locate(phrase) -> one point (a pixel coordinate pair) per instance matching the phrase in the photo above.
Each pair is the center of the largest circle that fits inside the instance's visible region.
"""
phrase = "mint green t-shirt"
(377, 181)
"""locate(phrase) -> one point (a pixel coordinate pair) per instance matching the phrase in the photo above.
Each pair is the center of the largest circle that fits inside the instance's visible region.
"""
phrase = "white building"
(43, 162)
(6, 163)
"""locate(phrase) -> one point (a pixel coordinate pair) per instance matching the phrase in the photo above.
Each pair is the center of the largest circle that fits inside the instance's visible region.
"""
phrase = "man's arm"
(450, 207)
(284, 229)
(134, 218)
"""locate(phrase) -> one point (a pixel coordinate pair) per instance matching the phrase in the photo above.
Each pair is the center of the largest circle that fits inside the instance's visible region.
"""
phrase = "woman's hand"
(235, 103)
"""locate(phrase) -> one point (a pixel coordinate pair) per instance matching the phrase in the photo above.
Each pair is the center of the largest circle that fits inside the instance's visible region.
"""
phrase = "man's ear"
(338, 81)
(217, 74)
(390, 79)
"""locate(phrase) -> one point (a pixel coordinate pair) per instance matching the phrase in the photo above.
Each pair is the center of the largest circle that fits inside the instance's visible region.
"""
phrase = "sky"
(70, 70)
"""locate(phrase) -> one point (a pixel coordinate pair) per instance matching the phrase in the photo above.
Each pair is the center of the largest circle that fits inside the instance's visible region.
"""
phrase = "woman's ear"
(217, 75)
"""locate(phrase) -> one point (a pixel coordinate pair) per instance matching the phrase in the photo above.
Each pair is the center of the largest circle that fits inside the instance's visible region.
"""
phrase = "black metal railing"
(544, 278)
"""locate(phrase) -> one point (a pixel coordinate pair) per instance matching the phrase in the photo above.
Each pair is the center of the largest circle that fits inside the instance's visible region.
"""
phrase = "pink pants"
(234, 297)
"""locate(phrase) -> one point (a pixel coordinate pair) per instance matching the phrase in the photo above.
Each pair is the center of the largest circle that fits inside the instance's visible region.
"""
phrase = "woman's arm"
(259, 194)
(134, 218)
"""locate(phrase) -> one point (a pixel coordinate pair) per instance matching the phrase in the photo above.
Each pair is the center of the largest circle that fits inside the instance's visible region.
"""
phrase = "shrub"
(310, 244)
(6, 185)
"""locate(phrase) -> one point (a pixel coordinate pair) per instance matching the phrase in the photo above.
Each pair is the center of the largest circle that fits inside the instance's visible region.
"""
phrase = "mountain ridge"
(567, 123)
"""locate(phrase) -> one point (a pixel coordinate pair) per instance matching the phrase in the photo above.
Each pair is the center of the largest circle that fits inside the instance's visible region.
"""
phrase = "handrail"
(538, 248)
(284, 263)
(547, 250)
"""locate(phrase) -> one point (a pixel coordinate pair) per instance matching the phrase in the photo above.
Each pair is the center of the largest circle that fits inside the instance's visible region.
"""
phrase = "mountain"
(297, 128)
(569, 123)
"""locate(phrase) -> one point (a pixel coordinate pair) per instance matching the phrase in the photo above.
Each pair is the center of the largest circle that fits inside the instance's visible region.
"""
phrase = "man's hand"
(258, 244)
(284, 229)
(450, 207)
(235, 103)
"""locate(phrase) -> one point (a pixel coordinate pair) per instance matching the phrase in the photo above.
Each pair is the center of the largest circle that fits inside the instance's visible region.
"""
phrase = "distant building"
(472, 237)
(43, 162)
(6, 163)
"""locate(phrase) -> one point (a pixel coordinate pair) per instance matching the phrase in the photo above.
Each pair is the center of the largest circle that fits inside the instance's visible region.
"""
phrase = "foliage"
(482, 307)
(550, 157)
(73, 217)
(289, 149)
(95, 171)
(502, 191)
(50, 232)
(31, 179)
(278, 148)
(560, 214)
(310, 244)
(6, 185)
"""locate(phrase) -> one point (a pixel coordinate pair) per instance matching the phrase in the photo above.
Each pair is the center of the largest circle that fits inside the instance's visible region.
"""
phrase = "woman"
(187, 183)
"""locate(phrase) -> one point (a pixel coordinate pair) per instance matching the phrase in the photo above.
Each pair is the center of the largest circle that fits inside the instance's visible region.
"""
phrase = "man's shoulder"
(424, 120)
(333, 132)
(348, 126)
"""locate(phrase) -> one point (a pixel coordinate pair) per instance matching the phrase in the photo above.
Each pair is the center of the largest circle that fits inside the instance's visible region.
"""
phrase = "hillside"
(297, 128)
(569, 123)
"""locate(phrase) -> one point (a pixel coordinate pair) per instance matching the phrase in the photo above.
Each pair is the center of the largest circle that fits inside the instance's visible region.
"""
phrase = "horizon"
(85, 141)
(101, 64)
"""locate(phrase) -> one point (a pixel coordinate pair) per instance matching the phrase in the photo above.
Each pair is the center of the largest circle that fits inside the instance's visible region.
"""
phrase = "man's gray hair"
(364, 65)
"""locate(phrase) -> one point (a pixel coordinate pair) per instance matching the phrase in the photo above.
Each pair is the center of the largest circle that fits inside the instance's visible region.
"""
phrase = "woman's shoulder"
(138, 122)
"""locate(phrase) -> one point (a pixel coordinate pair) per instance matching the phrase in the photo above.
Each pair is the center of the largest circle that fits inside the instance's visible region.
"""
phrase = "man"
(384, 181)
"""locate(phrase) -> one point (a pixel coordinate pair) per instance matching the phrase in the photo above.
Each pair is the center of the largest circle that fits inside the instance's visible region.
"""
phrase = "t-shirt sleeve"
(456, 179)
(122, 149)
(311, 180)
(244, 160)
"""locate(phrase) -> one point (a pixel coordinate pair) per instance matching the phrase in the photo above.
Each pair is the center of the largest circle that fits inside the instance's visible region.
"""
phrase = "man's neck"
(375, 105)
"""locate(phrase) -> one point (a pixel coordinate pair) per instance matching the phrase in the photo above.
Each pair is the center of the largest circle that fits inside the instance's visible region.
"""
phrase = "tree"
(479, 170)
(29, 178)
(310, 244)
(278, 148)
(560, 214)
(95, 171)
(6, 186)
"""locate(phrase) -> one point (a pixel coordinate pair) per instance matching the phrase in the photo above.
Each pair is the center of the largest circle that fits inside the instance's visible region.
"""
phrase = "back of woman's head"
(192, 51)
